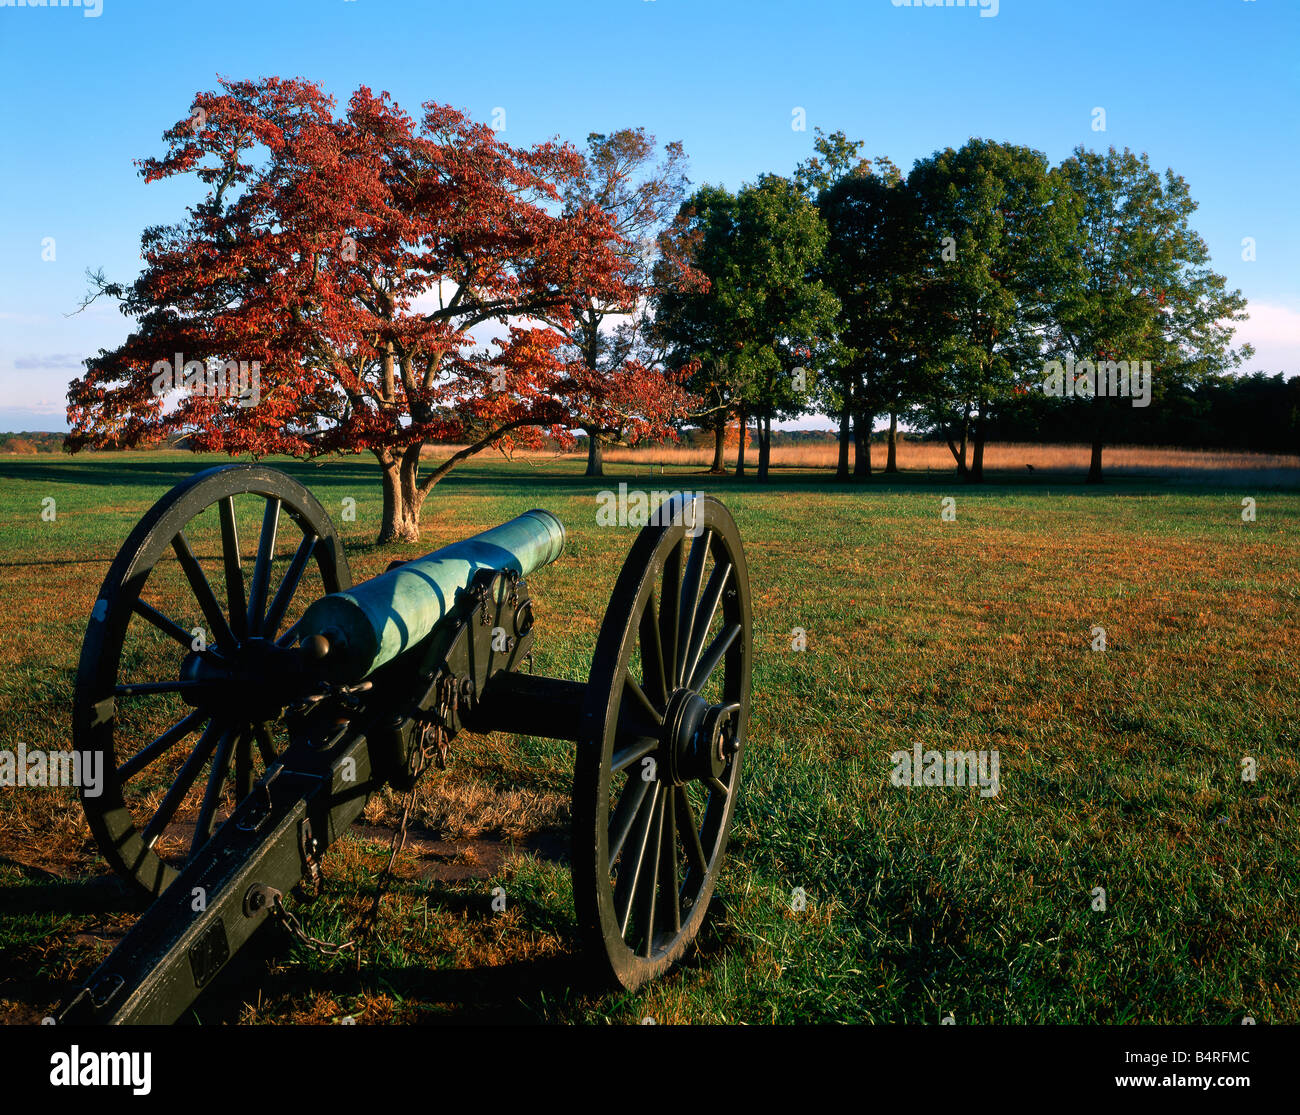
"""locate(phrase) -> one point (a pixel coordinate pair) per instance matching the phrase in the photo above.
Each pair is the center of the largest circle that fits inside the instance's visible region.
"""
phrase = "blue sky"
(1210, 88)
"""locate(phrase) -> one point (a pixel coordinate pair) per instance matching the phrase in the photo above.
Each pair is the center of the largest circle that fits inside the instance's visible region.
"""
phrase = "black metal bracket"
(174, 950)
(489, 634)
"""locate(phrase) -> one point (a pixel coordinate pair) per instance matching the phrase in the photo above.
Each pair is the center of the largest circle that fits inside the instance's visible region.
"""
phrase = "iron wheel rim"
(207, 739)
(625, 905)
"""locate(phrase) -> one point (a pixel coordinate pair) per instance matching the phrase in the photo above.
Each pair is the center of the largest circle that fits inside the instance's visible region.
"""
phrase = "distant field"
(1191, 465)
(928, 456)
(1118, 769)
(932, 456)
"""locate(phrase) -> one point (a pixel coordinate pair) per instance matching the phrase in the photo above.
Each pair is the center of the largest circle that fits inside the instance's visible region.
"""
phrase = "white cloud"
(1274, 330)
(48, 360)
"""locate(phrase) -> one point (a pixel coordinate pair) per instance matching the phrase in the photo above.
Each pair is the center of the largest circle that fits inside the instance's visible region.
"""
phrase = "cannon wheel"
(134, 652)
(657, 770)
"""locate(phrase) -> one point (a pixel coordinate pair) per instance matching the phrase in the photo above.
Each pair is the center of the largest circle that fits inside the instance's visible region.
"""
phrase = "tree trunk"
(764, 445)
(962, 470)
(719, 446)
(842, 467)
(595, 454)
(402, 498)
(1098, 431)
(957, 455)
(740, 450)
(891, 459)
(405, 492)
(977, 465)
(862, 424)
(1094, 465)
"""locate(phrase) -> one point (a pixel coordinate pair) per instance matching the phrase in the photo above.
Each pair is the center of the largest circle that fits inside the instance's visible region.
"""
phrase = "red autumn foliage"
(351, 259)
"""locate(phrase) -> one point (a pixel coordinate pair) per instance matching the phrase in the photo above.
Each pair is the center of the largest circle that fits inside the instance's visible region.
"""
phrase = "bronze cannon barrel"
(376, 621)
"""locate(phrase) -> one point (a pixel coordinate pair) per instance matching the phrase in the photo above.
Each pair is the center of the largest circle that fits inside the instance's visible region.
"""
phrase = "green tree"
(850, 192)
(737, 299)
(690, 322)
(996, 226)
(834, 158)
(784, 314)
(869, 257)
(1142, 288)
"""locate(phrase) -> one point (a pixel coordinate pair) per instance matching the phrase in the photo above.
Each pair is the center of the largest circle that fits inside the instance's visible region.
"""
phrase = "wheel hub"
(698, 738)
(253, 679)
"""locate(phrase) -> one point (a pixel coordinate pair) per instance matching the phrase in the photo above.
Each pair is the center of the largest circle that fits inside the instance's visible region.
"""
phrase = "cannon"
(243, 721)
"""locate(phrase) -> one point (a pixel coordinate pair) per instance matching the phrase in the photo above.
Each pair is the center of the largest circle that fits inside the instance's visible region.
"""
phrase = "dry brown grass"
(932, 456)
(917, 456)
(462, 806)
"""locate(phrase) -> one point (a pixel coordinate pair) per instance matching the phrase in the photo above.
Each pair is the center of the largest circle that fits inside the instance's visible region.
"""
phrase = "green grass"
(1119, 770)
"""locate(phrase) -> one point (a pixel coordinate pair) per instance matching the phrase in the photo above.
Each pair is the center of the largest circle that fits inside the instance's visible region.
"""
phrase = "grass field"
(1119, 769)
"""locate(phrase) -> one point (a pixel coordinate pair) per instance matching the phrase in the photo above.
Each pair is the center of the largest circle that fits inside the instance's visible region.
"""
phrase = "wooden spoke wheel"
(657, 771)
(180, 690)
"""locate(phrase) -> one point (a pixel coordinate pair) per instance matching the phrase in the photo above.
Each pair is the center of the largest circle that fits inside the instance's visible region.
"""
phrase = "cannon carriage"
(236, 751)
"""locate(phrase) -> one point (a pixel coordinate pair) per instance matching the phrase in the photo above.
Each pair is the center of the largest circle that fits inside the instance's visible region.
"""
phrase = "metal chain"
(432, 749)
(422, 757)
(299, 934)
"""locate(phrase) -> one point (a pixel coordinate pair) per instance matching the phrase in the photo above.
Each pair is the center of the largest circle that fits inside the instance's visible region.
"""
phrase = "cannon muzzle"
(376, 621)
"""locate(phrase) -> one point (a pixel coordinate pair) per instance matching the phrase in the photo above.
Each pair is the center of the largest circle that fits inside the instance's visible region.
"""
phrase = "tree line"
(944, 297)
(414, 287)
(1256, 411)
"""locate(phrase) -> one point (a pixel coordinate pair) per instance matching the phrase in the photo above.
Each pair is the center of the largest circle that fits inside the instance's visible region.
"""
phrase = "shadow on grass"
(348, 473)
(513, 992)
(38, 912)
(518, 992)
(91, 896)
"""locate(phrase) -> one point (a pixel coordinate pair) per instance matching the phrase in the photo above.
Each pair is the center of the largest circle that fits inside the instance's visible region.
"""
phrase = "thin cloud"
(50, 360)
(1269, 322)
(1274, 330)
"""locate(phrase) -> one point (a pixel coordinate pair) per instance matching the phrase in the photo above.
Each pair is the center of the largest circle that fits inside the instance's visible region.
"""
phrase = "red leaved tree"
(335, 273)
(641, 192)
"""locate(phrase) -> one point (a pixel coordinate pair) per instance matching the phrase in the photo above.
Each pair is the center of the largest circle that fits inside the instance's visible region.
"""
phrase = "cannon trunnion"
(244, 720)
